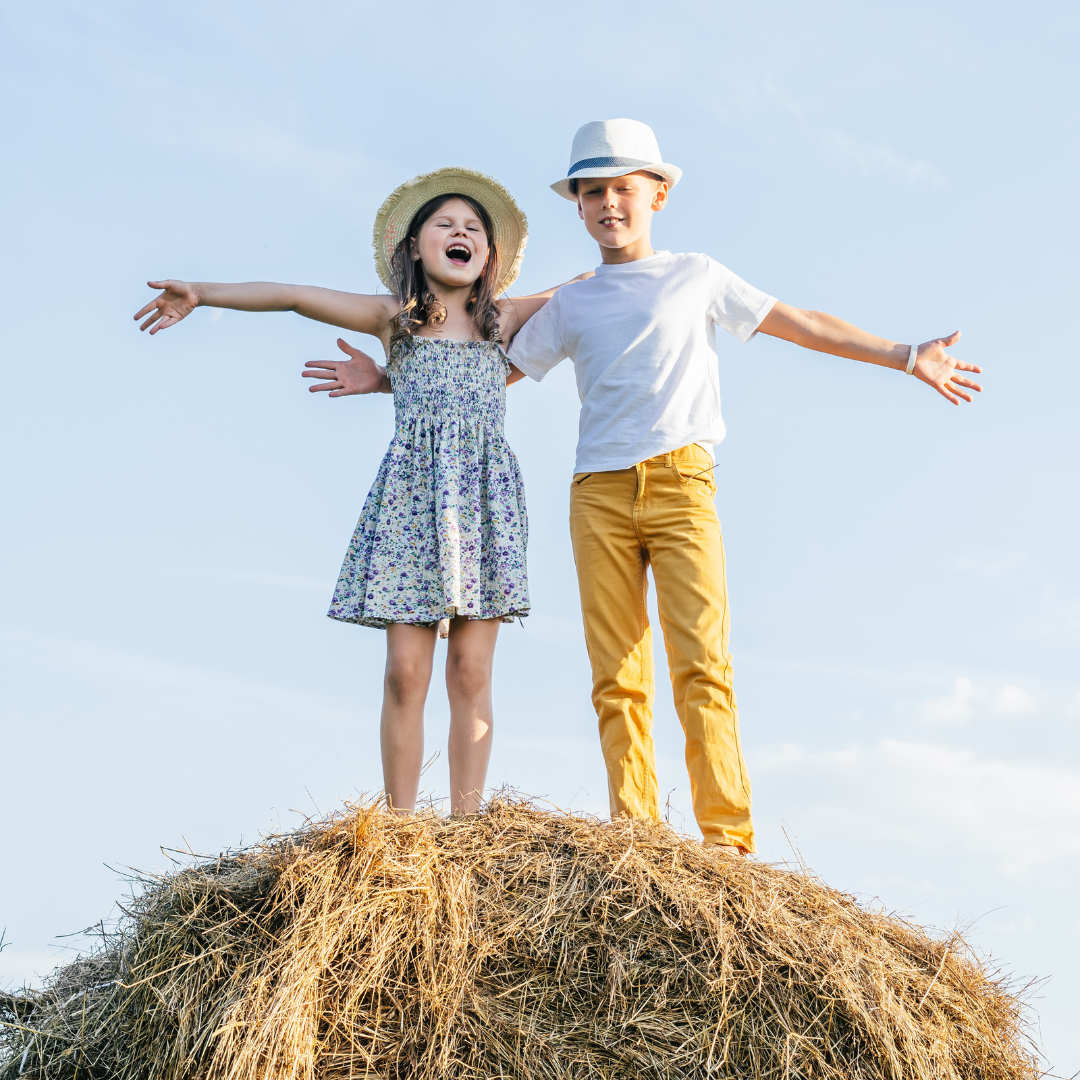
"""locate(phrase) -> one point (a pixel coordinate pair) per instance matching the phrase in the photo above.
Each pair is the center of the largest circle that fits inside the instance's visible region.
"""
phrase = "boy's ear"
(660, 198)
(580, 212)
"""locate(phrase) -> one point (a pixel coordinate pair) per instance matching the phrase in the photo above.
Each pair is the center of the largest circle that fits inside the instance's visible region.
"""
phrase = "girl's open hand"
(178, 299)
(938, 369)
(357, 375)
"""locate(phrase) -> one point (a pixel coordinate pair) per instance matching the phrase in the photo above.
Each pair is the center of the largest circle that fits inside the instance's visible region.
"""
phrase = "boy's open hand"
(357, 375)
(178, 299)
(938, 369)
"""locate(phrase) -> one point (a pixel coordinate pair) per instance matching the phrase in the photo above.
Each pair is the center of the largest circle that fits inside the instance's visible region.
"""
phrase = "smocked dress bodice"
(437, 381)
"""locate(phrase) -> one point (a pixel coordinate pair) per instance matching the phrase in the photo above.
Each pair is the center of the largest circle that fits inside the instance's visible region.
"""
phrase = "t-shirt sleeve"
(734, 305)
(538, 346)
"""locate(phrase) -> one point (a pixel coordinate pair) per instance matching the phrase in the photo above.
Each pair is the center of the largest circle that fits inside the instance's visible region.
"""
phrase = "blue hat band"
(611, 163)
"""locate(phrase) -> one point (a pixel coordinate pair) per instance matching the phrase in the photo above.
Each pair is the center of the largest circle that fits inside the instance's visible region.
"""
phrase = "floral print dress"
(444, 528)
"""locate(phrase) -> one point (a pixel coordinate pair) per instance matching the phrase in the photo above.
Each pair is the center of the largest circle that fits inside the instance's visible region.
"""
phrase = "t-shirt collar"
(609, 268)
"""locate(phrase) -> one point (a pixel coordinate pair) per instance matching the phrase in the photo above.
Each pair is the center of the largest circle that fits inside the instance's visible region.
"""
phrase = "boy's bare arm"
(360, 374)
(350, 311)
(826, 333)
(357, 375)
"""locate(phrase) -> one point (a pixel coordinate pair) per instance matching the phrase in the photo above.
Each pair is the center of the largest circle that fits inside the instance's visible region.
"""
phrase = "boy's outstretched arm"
(826, 333)
(357, 375)
(351, 311)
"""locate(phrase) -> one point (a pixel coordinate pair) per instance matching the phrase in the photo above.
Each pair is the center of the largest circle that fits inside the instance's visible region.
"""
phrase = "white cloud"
(878, 159)
(178, 689)
(1012, 701)
(785, 101)
(757, 102)
(958, 706)
(991, 563)
(1023, 816)
(170, 95)
(954, 708)
(246, 138)
(1060, 627)
(279, 581)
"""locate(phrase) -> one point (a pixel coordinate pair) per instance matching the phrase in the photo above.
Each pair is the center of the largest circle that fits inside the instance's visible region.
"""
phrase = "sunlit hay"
(514, 943)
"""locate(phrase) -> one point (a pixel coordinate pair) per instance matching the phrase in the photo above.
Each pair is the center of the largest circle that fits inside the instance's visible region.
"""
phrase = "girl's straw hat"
(614, 148)
(510, 225)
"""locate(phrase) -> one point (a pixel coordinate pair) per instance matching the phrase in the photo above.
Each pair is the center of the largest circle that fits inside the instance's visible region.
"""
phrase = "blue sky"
(905, 594)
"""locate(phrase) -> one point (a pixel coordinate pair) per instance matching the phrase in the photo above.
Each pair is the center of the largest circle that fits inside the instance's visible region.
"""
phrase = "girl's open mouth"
(458, 253)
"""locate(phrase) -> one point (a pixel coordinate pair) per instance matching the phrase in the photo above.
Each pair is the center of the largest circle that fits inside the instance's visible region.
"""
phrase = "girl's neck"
(458, 325)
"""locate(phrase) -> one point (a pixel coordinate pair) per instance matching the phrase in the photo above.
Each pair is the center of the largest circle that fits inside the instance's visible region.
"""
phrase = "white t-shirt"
(642, 336)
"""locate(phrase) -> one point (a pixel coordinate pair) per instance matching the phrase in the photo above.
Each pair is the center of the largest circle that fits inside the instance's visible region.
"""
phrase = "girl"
(441, 540)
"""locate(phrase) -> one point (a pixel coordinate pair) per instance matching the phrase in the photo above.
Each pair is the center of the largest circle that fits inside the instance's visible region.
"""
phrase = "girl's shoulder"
(515, 312)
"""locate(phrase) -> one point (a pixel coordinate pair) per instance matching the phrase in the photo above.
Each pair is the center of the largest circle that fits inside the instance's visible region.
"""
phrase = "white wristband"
(912, 356)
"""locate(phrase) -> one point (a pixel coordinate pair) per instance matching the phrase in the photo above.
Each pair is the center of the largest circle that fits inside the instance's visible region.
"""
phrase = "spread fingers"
(959, 380)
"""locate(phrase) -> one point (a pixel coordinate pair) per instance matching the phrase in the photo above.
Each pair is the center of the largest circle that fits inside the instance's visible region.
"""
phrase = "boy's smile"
(618, 212)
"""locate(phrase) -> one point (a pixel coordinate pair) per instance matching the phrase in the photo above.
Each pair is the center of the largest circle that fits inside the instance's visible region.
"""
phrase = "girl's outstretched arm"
(828, 334)
(350, 311)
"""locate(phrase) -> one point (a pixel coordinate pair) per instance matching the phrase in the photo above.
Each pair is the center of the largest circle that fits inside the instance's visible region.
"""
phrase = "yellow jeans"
(661, 513)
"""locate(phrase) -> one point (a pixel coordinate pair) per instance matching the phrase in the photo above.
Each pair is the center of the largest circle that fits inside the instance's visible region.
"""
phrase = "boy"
(641, 336)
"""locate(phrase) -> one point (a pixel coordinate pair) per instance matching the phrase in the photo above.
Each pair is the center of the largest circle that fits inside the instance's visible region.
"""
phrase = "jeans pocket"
(697, 476)
(580, 479)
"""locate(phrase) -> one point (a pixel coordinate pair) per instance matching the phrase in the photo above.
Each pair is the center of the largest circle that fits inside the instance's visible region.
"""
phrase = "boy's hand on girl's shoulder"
(357, 375)
(938, 369)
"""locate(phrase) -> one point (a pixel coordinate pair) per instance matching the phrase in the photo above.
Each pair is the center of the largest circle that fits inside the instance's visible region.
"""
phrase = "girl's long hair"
(419, 305)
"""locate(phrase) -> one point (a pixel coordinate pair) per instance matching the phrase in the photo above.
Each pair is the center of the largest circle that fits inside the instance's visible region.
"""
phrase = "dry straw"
(513, 943)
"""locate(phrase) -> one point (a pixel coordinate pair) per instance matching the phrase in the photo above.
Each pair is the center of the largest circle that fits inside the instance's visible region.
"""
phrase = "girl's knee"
(468, 676)
(407, 680)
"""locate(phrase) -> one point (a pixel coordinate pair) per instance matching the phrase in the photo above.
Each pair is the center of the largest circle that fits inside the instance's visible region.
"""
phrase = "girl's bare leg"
(409, 654)
(469, 655)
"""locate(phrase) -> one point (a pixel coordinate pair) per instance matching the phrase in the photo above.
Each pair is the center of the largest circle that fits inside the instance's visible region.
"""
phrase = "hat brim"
(509, 224)
(670, 173)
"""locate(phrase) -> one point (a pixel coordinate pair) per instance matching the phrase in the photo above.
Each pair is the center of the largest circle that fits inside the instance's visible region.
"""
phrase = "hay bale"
(515, 944)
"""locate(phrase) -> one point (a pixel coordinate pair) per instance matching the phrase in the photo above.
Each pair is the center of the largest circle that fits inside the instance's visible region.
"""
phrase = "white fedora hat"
(614, 148)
